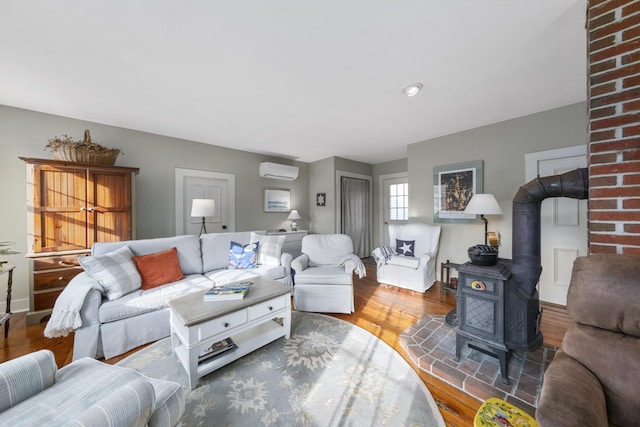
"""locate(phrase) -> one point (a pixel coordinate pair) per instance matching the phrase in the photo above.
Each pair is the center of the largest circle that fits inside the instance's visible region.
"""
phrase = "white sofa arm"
(353, 264)
(86, 341)
(65, 316)
(26, 376)
(285, 261)
(300, 263)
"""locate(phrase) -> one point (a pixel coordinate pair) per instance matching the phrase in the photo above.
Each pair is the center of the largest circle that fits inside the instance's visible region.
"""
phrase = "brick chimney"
(614, 125)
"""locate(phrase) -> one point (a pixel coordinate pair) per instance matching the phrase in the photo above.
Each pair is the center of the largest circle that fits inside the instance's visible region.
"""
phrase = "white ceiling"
(300, 79)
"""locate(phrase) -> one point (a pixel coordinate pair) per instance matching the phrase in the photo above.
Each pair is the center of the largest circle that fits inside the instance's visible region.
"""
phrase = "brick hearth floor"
(431, 345)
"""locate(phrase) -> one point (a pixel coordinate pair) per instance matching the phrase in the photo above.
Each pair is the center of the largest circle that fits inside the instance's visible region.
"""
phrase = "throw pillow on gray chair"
(323, 280)
(411, 260)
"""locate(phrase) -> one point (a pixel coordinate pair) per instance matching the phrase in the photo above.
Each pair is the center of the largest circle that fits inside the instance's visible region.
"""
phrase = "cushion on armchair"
(404, 261)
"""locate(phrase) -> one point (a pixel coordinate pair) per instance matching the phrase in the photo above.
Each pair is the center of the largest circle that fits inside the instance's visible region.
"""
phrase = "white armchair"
(416, 271)
(323, 274)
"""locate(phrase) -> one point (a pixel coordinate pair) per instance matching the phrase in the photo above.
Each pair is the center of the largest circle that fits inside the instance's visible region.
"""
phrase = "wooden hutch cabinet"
(69, 207)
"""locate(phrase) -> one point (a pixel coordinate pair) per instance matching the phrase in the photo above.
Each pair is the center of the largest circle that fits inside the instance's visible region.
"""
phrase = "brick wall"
(614, 121)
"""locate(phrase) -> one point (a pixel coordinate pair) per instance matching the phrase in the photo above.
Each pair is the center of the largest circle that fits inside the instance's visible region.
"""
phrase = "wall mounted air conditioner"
(277, 171)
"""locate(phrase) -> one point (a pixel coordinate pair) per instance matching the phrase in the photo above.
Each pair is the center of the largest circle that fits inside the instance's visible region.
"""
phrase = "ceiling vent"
(277, 171)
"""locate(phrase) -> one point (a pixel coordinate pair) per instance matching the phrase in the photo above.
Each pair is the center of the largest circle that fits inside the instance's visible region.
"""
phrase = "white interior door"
(395, 203)
(194, 184)
(563, 225)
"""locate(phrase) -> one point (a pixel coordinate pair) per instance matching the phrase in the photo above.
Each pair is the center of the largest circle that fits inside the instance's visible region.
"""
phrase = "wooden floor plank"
(384, 310)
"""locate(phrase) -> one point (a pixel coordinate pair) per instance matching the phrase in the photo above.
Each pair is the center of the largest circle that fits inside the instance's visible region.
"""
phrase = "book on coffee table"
(231, 291)
(216, 349)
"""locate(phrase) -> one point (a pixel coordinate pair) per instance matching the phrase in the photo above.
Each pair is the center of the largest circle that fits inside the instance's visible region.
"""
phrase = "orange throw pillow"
(159, 268)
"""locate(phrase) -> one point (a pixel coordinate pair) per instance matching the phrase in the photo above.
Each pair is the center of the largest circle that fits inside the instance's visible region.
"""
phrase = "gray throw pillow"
(270, 248)
(115, 271)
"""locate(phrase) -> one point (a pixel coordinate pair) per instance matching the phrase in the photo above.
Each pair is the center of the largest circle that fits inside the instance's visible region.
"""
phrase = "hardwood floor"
(383, 310)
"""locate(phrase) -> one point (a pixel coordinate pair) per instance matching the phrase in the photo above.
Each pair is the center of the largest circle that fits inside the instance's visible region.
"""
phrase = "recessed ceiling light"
(412, 89)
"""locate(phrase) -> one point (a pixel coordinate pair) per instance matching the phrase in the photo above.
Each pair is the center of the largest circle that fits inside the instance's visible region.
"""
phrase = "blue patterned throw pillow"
(243, 256)
(405, 247)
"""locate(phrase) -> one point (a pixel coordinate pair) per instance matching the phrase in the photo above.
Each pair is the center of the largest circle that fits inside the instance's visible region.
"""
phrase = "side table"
(7, 268)
(444, 275)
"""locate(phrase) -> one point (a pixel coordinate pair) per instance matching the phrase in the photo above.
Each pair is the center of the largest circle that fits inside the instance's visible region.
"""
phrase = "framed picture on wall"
(277, 200)
(321, 199)
(453, 187)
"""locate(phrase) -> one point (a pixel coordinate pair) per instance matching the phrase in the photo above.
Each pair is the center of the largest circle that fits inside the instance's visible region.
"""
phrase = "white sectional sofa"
(112, 327)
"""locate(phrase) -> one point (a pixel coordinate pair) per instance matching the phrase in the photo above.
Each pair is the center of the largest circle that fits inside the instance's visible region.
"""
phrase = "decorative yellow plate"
(496, 412)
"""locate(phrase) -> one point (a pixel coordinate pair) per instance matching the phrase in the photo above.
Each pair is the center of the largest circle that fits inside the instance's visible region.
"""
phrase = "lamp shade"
(483, 204)
(294, 215)
(203, 207)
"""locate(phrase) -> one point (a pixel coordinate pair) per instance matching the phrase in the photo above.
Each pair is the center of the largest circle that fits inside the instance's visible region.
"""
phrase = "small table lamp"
(293, 216)
(203, 208)
(483, 204)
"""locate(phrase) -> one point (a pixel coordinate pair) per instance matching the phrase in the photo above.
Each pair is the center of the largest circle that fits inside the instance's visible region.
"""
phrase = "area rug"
(431, 344)
(329, 373)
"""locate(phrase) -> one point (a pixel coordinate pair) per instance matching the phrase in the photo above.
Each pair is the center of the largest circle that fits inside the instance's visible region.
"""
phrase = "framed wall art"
(321, 199)
(453, 187)
(277, 200)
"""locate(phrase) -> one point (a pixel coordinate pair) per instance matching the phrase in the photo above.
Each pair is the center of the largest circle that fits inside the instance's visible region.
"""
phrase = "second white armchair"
(323, 274)
(410, 259)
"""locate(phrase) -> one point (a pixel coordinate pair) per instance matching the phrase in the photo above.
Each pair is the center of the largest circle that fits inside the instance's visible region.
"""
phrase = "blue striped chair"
(34, 392)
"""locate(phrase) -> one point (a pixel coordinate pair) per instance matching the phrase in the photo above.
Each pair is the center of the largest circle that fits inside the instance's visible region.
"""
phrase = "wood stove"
(481, 303)
(498, 308)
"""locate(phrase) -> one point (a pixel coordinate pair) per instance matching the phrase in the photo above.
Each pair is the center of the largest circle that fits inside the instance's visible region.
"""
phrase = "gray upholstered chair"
(323, 274)
(410, 261)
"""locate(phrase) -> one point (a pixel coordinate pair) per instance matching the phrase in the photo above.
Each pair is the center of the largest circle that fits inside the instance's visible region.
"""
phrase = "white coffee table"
(250, 323)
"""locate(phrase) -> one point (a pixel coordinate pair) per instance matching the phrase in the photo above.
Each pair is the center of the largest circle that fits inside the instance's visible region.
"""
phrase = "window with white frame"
(399, 202)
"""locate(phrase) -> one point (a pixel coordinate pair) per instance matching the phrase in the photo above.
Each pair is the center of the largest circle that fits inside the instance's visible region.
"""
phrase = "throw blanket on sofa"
(65, 316)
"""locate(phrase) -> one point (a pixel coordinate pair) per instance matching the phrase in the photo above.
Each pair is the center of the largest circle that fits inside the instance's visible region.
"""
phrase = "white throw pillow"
(115, 271)
(269, 249)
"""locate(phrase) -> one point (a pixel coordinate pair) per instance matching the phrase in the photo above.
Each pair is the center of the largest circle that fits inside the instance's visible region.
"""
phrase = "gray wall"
(502, 147)
(323, 179)
(388, 168)
(25, 133)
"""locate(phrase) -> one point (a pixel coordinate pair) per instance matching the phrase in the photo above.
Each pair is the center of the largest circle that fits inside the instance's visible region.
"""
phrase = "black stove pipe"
(522, 317)
(526, 265)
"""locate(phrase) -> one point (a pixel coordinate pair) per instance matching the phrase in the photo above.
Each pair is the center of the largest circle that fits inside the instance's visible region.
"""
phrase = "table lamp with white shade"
(483, 204)
(203, 208)
(294, 216)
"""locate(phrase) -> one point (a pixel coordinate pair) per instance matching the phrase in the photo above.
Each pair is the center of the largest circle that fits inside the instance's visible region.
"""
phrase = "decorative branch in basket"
(85, 151)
